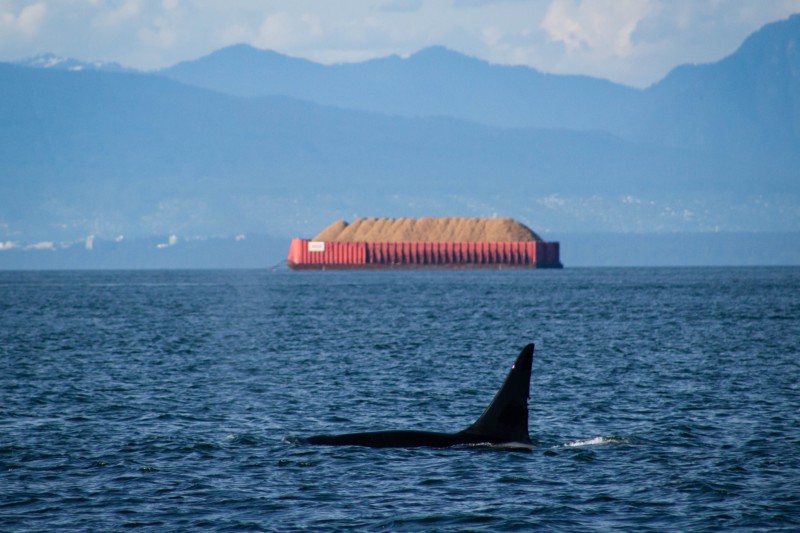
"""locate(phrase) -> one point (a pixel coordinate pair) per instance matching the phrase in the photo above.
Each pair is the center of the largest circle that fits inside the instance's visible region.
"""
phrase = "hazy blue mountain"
(433, 81)
(750, 99)
(747, 101)
(96, 152)
(99, 126)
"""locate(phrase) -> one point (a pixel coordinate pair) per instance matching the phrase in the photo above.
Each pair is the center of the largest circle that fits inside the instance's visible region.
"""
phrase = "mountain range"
(752, 96)
(247, 141)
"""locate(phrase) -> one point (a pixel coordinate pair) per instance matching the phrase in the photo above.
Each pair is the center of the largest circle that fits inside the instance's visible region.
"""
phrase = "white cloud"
(89, 243)
(603, 26)
(26, 24)
(159, 35)
(401, 6)
(128, 11)
(8, 245)
(30, 18)
(240, 237)
(281, 30)
(234, 33)
(492, 35)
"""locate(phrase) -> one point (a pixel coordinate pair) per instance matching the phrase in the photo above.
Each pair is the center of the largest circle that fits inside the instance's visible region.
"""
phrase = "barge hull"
(320, 255)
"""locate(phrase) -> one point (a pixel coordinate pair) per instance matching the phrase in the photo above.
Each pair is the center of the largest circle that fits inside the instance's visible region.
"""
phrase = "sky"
(634, 42)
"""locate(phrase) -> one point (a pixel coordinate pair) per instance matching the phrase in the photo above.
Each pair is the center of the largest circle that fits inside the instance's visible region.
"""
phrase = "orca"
(504, 422)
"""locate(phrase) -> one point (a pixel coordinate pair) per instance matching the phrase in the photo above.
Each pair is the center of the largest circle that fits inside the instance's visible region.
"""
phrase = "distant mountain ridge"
(434, 81)
(133, 140)
(748, 99)
(196, 150)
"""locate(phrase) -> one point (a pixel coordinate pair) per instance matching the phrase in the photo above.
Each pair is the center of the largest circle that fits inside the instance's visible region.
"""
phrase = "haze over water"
(660, 399)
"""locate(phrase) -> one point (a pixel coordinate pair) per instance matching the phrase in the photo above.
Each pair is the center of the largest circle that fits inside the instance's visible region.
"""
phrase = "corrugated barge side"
(319, 255)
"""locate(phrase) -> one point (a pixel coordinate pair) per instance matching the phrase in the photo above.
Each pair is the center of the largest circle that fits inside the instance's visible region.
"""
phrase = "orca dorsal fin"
(506, 418)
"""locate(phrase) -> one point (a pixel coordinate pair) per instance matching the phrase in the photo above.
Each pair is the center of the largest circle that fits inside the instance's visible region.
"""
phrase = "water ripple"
(662, 399)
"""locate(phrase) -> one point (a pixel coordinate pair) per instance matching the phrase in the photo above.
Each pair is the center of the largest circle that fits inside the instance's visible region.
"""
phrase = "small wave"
(514, 446)
(511, 446)
(596, 441)
(243, 439)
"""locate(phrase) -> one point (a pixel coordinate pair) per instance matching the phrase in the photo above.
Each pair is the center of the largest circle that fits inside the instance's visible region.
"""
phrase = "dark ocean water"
(661, 399)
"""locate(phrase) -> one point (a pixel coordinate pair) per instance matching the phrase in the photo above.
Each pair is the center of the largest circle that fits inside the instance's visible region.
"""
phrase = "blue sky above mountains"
(635, 42)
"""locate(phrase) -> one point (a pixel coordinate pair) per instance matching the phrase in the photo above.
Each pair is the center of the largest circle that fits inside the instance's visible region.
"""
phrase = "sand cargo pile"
(402, 243)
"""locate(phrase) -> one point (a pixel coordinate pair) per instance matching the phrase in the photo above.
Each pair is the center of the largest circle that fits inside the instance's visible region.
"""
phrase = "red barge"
(445, 243)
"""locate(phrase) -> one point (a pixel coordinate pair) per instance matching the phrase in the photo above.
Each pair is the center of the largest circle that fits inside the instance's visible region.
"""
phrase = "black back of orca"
(505, 420)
